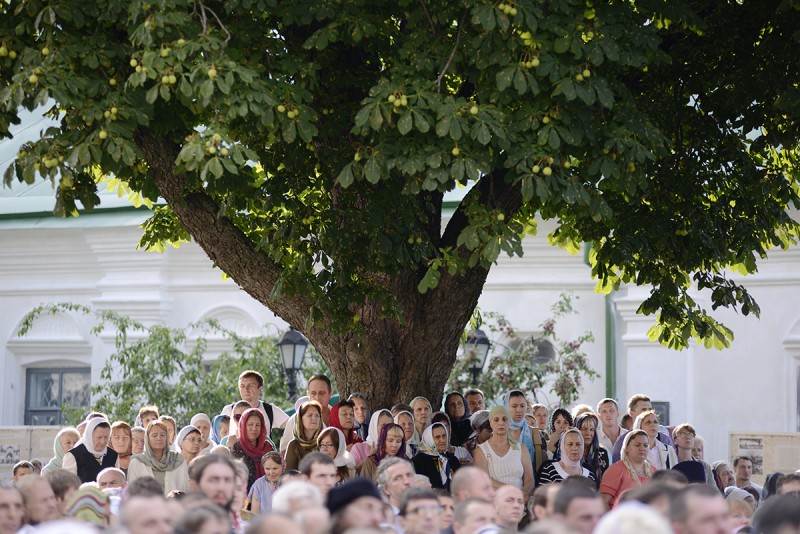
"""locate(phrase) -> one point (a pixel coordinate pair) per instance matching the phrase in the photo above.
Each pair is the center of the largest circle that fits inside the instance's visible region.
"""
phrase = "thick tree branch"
(226, 245)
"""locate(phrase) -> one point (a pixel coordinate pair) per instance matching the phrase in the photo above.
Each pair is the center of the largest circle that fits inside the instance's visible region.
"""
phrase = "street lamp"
(293, 348)
(476, 347)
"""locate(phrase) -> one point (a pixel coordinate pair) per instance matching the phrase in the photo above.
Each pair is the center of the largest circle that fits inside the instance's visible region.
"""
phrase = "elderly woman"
(660, 455)
(361, 451)
(595, 458)
(122, 443)
(219, 428)
(331, 442)
(343, 417)
(391, 442)
(260, 495)
(91, 455)
(137, 440)
(481, 430)
(457, 409)
(159, 461)
(188, 443)
(434, 459)
(632, 471)
(202, 422)
(307, 426)
(362, 413)
(569, 465)
(460, 452)
(252, 443)
(65, 440)
(406, 420)
(504, 459)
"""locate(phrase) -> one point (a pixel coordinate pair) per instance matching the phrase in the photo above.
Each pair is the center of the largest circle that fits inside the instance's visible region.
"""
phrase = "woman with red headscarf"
(252, 443)
(343, 417)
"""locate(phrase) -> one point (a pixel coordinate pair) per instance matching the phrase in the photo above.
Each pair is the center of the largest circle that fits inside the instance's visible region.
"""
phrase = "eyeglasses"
(425, 510)
(684, 435)
(326, 445)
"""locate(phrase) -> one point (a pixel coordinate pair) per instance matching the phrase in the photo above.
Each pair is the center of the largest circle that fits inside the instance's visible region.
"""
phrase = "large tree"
(307, 145)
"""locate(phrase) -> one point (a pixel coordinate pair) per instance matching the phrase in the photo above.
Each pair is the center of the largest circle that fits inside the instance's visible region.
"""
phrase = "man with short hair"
(420, 511)
(320, 390)
(111, 477)
(579, 506)
(543, 498)
(64, 484)
(789, 484)
(471, 515)
(699, 509)
(476, 400)
(472, 483)
(395, 475)
(638, 404)
(38, 499)
(214, 476)
(21, 469)
(609, 430)
(251, 387)
(509, 504)
(355, 504)
(743, 467)
(320, 471)
(12, 509)
(146, 515)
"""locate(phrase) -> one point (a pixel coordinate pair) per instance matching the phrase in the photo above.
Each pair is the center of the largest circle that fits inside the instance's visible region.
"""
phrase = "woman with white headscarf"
(158, 461)
(332, 442)
(202, 422)
(91, 455)
(569, 465)
(65, 440)
(434, 459)
(188, 442)
(362, 451)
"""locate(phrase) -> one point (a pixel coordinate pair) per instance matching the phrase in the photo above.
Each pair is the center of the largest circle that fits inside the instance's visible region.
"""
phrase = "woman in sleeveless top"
(505, 460)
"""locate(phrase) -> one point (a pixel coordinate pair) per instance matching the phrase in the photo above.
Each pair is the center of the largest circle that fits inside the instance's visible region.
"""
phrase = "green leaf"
(604, 94)
(346, 178)
(290, 132)
(376, 118)
(443, 126)
(422, 123)
(553, 140)
(561, 45)
(519, 82)
(505, 77)
(372, 171)
(306, 130)
(404, 124)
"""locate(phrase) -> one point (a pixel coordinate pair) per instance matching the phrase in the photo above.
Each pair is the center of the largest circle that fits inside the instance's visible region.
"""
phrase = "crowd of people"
(330, 469)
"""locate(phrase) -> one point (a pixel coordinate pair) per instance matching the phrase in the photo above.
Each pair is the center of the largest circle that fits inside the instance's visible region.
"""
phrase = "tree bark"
(394, 360)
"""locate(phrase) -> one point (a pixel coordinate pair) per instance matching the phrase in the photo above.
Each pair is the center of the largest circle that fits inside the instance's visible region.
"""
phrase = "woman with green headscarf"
(168, 467)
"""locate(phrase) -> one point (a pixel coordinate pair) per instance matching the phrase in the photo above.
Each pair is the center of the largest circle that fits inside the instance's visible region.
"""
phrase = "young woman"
(260, 495)
(331, 441)
(406, 421)
(189, 442)
(91, 455)
(556, 471)
(158, 461)
(505, 460)
(378, 420)
(122, 443)
(434, 459)
(343, 417)
(560, 422)
(595, 458)
(457, 409)
(307, 427)
(362, 413)
(65, 440)
(391, 442)
(252, 443)
(660, 455)
(632, 471)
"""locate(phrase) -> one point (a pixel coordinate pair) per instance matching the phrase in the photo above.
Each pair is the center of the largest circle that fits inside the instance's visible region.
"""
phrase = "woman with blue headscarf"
(517, 406)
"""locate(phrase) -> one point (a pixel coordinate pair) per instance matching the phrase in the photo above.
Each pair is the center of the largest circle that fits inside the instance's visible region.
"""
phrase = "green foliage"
(665, 134)
(517, 366)
(168, 367)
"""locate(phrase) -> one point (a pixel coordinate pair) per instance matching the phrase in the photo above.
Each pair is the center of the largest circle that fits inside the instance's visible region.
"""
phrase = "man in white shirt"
(609, 431)
(251, 387)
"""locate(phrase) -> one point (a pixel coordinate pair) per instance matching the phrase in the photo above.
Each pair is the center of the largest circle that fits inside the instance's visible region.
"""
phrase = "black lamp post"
(293, 349)
(477, 348)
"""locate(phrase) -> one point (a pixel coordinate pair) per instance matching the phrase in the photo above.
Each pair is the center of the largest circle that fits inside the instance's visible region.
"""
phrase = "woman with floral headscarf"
(457, 409)
(331, 442)
(159, 461)
(307, 426)
(569, 465)
(434, 459)
(377, 421)
(391, 442)
(252, 443)
(65, 440)
(595, 457)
